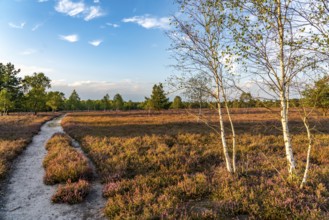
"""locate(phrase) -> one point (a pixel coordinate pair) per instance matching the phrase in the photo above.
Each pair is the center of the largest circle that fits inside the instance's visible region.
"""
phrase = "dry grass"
(16, 131)
(63, 163)
(169, 166)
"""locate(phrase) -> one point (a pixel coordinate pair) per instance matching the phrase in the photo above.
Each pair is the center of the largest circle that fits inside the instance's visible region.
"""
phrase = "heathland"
(169, 164)
(16, 131)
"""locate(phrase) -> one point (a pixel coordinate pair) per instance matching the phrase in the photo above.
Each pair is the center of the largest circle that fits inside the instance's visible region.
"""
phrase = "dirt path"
(26, 197)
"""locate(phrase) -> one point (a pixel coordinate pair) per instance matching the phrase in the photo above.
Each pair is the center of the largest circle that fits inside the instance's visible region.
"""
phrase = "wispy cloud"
(41, 1)
(17, 26)
(112, 25)
(93, 12)
(28, 52)
(36, 27)
(96, 1)
(95, 43)
(148, 21)
(78, 9)
(70, 38)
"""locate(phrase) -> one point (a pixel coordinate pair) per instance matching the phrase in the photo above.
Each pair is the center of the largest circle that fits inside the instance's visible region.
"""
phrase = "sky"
(93, 46)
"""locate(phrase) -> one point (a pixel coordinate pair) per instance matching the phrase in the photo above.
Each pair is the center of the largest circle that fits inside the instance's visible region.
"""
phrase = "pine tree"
(118, 102)
(158, 98)
(106, 102)
(73, 103)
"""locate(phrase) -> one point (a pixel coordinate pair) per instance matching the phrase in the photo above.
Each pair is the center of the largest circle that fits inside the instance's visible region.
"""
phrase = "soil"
(27, 197)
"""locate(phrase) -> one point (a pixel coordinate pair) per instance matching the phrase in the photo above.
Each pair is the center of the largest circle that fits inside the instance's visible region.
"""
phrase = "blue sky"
(93, 46)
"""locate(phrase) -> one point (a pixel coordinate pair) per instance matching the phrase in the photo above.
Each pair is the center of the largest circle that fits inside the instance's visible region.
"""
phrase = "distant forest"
(29, 94)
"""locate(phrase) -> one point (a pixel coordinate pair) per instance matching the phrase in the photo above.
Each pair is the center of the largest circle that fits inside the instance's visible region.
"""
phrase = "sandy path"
(26, 197)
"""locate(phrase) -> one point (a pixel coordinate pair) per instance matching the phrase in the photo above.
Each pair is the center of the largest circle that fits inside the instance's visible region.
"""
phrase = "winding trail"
(27, 197)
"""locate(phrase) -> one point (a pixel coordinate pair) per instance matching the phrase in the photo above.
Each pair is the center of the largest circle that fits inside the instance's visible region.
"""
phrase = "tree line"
(30, 94)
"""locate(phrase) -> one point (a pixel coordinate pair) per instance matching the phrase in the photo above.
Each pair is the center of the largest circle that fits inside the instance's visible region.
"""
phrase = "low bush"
(63, 162)
(2, 168)
(71, 193)
(166, 167)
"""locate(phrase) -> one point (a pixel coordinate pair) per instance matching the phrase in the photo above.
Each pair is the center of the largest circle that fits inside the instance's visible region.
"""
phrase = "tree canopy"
(35, 89)
(55, 100)
(118, 102)
(73, 102)
(317, 95)
(5, 101)
(158, 99)
(177, 103)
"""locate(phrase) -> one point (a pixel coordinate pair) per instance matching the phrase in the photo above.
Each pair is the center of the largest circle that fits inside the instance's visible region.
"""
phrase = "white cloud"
(28, 52)
(28, 70)
(149, 22)
(112, 25)
(78, 9)
(96, 1)
(95, 43)
(70, 8)
(88, 89)
(42, 1)
(17, 26)
(93, 12)
(70, 38)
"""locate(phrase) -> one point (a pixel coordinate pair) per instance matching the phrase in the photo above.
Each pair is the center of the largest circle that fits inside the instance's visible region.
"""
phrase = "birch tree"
(314, 19)
(305, 114)
(199, 46)
(273, 45)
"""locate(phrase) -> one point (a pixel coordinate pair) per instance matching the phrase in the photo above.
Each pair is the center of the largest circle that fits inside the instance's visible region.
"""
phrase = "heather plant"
(63, 162)
(16, 131)
(71, 193)
(165, 166)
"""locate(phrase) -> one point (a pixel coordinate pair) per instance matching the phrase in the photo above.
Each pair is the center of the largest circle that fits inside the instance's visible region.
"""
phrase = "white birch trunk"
(233, 139)
(310, 141)
(233, 130)
(283, 94)
(222, 132)
(286, 134)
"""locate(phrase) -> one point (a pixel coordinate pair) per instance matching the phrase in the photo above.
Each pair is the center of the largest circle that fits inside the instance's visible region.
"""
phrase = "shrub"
(2, 168)
(167, 167)
(71, 193)
(194, 187)
(136, 204)
(110, 189)
(63, 162)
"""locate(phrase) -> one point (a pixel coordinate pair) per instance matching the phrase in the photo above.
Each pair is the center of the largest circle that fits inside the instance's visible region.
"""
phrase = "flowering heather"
(16, 131)
(168, 165)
